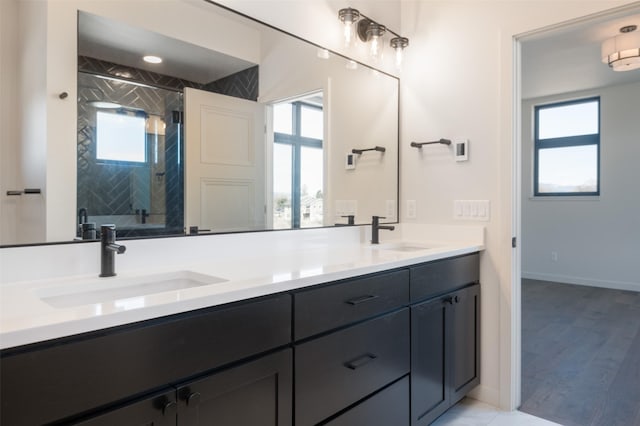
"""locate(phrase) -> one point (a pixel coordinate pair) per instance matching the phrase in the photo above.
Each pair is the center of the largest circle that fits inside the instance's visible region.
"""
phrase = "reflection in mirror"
(129, 156)
(298, 163)
(238, 126)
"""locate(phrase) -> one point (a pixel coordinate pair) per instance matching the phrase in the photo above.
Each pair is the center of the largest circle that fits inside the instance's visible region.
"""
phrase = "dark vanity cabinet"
(73, 379)
(254, 393)
(445, 336)
(352, 341)
(391, 348)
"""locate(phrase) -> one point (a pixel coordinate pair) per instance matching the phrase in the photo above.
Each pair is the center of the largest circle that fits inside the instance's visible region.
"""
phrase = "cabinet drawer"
(339, 369)
(69, 376)
(442, 276)
(338, 304)
(388, 407)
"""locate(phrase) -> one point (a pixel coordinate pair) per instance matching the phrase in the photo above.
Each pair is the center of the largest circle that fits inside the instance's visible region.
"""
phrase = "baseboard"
(486, 394)
(616, 285)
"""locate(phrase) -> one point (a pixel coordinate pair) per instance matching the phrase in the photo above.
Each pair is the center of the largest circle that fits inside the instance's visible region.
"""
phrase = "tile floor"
(470, 412)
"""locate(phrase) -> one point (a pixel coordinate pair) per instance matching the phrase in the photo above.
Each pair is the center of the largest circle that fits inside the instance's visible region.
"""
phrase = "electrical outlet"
(411, 209)
(554, 256)
(390, 214)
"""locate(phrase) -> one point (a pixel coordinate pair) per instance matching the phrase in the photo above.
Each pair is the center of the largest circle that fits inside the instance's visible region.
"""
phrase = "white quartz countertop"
(26, 316)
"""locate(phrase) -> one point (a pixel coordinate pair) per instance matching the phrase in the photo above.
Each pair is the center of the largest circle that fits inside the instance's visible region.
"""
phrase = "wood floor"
(580, 354)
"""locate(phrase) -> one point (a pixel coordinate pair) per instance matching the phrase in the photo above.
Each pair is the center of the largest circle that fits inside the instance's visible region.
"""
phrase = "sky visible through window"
(568, 169)
(120, 137)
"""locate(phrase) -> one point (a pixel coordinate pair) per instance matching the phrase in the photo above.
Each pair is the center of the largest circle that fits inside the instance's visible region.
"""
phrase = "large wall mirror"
(234, 126)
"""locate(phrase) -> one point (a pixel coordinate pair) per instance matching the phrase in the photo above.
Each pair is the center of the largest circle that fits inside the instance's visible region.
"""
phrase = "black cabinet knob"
(169, 408)
(456, 299)
(448, 300)
(193, 399)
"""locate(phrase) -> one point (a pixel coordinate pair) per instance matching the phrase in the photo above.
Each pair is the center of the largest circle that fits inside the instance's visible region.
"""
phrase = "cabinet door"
(157, 410)
(257, 393)
(429, 375)
(465, 341)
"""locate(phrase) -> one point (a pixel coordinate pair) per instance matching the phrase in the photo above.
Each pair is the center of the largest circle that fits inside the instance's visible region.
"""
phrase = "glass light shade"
(398, 44)
(348, 17)
(622, 52)
(374, 36)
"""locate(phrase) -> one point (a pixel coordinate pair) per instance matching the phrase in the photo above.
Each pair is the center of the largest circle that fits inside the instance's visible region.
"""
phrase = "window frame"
(297, 141)
(564, 142)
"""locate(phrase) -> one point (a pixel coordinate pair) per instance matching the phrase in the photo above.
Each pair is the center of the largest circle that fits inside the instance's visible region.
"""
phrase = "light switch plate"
(461, 150)
(350, 162)
(472, 210)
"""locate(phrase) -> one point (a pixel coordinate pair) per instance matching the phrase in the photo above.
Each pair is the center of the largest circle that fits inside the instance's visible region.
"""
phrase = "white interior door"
(224, 162)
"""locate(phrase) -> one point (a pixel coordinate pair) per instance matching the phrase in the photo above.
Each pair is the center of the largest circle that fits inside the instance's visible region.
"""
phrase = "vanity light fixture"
(151, 59)
(622, 52)
(370, 31)
(348, 17)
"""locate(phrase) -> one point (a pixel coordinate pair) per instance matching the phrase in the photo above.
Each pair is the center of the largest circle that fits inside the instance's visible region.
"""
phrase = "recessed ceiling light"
(152, 59)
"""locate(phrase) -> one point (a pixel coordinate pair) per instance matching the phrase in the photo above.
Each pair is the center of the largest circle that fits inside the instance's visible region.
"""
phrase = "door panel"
(465, 335)
(224, 162)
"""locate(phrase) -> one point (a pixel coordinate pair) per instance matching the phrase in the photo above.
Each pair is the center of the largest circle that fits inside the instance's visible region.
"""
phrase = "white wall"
(458, 82)
(596, 239)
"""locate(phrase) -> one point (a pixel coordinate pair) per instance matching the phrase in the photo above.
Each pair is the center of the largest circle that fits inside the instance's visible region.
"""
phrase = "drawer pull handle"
(193, 399)
(362, 299)
(360, 361)
(169, 409)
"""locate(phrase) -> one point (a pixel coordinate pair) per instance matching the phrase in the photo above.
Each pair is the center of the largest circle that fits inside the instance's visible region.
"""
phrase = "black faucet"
(108, 250)
(375, 227)
(83, 216)
(351, 220)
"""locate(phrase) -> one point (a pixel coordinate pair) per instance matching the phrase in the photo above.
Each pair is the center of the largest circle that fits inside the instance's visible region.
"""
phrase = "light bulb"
(375, 46)
(374, 35)
(398, 58)
(348, 33)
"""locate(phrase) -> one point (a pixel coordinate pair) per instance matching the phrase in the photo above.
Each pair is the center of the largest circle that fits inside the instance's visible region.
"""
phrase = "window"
(298, 164)
(567, 148)
(120, 137)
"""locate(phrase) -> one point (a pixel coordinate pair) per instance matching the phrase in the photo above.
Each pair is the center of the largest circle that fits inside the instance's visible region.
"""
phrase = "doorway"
(578, 287)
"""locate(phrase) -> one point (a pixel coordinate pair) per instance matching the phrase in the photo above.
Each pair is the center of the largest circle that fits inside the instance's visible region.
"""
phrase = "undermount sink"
(406, 246)
(101, 290)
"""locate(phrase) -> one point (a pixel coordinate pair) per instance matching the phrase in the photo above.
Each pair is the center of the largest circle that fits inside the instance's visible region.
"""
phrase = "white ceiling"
(113, 41)
(567, 59)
